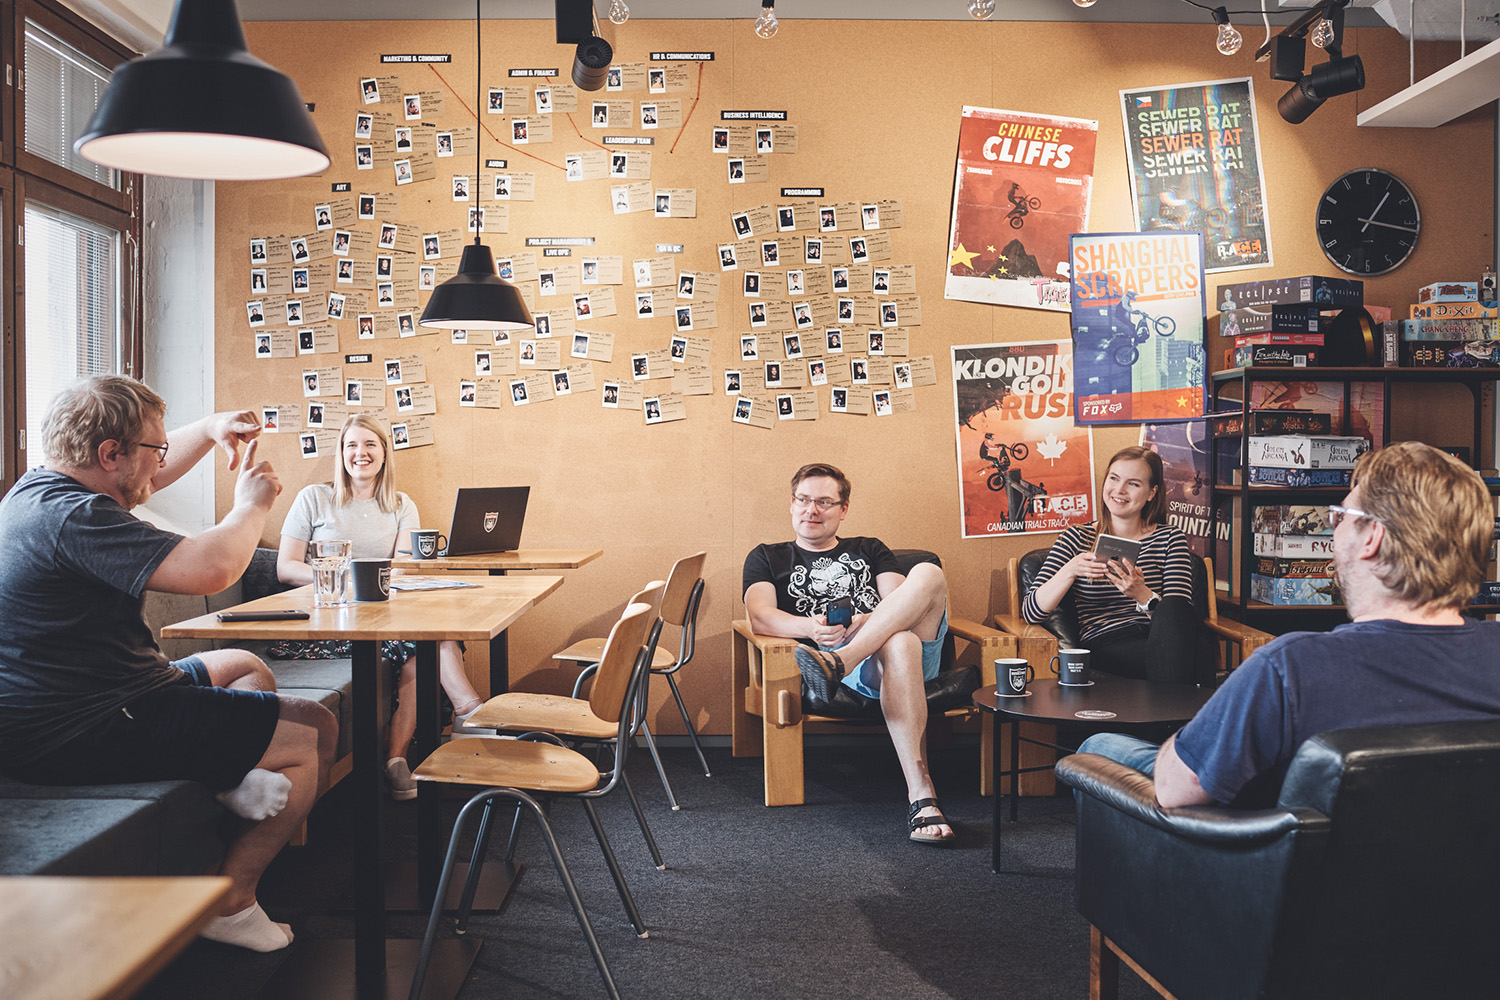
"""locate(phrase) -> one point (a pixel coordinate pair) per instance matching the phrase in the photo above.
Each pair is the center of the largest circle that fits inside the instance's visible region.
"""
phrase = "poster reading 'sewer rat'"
(1021, 188)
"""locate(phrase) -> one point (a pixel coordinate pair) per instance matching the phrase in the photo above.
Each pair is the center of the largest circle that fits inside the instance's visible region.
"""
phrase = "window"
(63, 87)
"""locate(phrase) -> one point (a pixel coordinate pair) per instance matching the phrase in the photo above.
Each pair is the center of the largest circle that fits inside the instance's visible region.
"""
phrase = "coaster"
(1085, 684)
(1000, 694)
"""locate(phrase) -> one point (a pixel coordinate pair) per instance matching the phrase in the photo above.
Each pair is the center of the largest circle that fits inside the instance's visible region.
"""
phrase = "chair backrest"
(651, 594)
(680, 606)
(621, 651)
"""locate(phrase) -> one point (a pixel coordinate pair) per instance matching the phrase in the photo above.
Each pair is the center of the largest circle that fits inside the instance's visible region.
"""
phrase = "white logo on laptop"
(490, 520)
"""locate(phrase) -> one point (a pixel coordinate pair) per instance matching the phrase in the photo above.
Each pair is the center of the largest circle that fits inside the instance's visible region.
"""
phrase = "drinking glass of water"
(330, 563)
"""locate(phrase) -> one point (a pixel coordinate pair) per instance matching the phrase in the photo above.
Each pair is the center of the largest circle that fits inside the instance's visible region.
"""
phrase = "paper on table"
(428, 583)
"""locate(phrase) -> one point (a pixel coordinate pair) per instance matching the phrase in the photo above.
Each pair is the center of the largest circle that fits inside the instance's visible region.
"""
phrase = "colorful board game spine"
(1276, 476)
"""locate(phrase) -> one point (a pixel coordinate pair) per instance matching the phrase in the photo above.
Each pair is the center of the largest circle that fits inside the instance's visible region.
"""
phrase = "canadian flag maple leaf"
(1052, 448)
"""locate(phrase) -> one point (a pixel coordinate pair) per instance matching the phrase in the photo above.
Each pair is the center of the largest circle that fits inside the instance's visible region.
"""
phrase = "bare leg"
(301, 749)
(238, 670)
(404, 718)
(903, 699)
(916, 606)
(455, 682)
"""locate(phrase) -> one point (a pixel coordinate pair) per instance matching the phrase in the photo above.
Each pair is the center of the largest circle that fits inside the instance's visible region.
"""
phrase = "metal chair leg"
(640, 819)
(515, 836)
(425, 956)
(651, 745)
(687, 721)
(476, 862)
(614, 871)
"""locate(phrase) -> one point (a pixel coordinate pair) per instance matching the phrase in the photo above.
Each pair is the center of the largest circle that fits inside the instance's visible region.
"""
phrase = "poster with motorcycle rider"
(1021, 186)
(1194, 153)
(1024, 464)
(1138, 308)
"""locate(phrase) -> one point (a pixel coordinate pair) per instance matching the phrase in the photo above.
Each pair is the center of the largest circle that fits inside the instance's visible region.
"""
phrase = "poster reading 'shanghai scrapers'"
(1021, 187)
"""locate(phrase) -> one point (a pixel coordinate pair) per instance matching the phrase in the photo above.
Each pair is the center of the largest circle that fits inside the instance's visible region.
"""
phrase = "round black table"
(1110, 704)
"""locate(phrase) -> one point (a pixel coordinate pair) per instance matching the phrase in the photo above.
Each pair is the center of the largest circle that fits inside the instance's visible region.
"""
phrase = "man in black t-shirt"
(892, 642)
(86, 696)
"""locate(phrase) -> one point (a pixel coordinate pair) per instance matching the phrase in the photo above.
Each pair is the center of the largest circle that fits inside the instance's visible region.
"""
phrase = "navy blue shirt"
(1360, 674)
(73, 645)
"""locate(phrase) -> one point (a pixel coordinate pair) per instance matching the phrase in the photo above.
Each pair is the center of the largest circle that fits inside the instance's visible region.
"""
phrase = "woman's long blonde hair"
(385, 481)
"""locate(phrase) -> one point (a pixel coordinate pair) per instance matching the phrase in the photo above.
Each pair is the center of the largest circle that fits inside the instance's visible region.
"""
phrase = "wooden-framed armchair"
(769, 713)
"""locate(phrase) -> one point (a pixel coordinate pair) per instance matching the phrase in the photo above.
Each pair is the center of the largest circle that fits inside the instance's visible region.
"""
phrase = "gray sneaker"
(403, 786)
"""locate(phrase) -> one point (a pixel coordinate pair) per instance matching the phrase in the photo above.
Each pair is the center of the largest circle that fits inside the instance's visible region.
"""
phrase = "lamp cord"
(478, 96)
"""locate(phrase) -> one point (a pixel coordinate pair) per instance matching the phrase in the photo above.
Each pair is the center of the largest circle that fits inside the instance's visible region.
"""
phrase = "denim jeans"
(1126, 750)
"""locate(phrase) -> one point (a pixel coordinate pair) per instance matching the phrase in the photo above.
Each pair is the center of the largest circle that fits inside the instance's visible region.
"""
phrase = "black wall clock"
(1368, 222)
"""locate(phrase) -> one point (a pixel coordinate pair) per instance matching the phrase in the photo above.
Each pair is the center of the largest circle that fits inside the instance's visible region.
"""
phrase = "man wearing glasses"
(1410, 544)
(864, 625)
(86, 696)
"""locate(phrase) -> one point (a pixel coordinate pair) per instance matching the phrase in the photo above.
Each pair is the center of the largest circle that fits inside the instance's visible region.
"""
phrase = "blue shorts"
(864, 678)
(189, 730)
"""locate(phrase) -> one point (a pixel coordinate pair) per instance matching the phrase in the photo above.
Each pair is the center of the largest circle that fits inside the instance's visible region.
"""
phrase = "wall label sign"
(416, 57)
(534, 72)
(629, 140)
(557, 252)
(559, 241)
(761, 116)
(802, 192)
(670, 248)
(497, 164)
(682, 57)
(339, 186)
(358, 359)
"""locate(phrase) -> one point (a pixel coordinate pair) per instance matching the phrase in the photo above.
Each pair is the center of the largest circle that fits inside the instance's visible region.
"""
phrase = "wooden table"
(320, 969)
(96, 938)
(499, 564)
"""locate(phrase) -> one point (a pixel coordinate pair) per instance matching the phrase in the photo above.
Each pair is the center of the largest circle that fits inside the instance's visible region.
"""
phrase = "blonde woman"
(362, 505)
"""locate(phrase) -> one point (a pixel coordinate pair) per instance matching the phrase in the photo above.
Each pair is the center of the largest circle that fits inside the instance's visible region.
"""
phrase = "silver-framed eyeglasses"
(160, 449)
(818, 502)
(1337, 514)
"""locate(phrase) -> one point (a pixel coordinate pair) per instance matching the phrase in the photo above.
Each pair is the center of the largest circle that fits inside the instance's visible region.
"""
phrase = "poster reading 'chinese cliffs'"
(1020, 189)
(1195, 167)
(1024, 465)
(1138, 306)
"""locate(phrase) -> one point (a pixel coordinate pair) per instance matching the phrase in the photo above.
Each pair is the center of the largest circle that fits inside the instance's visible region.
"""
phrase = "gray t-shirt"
(375, 532)
(73, 645)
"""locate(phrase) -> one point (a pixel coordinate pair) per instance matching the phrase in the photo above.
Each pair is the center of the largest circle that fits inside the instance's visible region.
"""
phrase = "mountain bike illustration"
(1021, 206)
(1126, 320)
(1001, 455)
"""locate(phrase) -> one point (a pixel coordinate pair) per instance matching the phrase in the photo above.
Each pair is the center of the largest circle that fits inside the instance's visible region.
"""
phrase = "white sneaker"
(403, 786)
(461, 726)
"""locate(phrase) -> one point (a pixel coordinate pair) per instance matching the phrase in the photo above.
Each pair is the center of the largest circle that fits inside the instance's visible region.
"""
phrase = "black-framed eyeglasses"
(160, 449)
(1337, 514)
(818, 502)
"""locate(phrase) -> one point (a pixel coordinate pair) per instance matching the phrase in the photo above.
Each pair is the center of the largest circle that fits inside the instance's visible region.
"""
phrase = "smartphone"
(841, 612)
(261, 616)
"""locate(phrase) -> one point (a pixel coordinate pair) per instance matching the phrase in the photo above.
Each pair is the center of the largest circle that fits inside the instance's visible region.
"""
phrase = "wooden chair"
(531, 772)
(768, 714)
(1037, 644)
(679, 607)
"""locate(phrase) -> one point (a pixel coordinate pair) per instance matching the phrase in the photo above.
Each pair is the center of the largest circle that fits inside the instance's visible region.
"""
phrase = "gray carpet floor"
(825, 901)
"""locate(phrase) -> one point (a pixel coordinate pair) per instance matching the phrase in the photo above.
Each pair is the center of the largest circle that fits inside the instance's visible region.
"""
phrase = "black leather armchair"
(1375, 875)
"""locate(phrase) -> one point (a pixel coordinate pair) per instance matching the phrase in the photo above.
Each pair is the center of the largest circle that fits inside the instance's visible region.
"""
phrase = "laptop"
(487, 519)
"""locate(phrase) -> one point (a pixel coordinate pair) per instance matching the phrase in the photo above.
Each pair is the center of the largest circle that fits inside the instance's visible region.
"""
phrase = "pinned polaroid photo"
(742, 408)
(542, 324)
(431, 247)
(527, 355)
(827, 220)
(902, 373)
(785, 219)
(257, 280)
(505, 267)
(846, 310)
(340, 243)
(684, 317)
(652, 406)
(502, 187)
(406, 324)
(817, 373)
(648, 116)
(445, 144)
(580, 346)
(403, 399)
(560, 384)
(610, 395)
(427, 277)
(371, 90)
(519, 136)
(590, 271)
(721, 140)
(385, 294)
(476, 219)
(794, 282)
(458, 336)
(802, 313)
(877, 342)
(685, 286)
(400, 437)
(460, 187)
(741, 224)
(581, 307)
(403, 140)
(495, 104)
(309, 445)
(393, 371)
(466, 393)
(364, 157)
(773, 374)
(784, 407)
(812, 249)
(300, 279)
(294, 312)
(387, 236)
(793, 344)
(770, 253)
(644, 306)
(268, 420)
(299, 250)
(546, 282)
(728, 260)
(518, 394)
(364, 123)
(732, 382)
(315, 414)
(305, 341)
(621, 200)
(262, 345)
(678, 350)
(481, 363)
(857, 249)
(413, 103)
(258, 251)
(367, 326)
(880, 282)
(888, 314)
(883, 403)
(841, 279)
(763, 141)
(757, 314)
(859, 371)
(323, 216)
(663, 205)
(838, 400)
(656, 81)
(736, 169)
(353, 391)
(619, 164)
(869, 218)
(309, 383)
(335, 305)
(601, 114)
(544, 100)
(835, 341)
(750, 347)
(640, 367)
(403, 171)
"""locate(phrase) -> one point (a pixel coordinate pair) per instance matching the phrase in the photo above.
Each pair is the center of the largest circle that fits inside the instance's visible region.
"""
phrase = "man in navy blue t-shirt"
(891, 642)
(1410, 544)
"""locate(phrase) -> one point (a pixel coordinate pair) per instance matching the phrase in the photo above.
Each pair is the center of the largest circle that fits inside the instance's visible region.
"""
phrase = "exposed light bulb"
(766, 24)
(1083, 3)
(1229, 40)
(1322, 34)
(618, 12)
(979, 10)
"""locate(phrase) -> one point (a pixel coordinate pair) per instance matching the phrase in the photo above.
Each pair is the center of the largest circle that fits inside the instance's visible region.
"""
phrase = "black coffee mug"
(1012, 676)
(426, 543)
(1071, 666)
(372, 579)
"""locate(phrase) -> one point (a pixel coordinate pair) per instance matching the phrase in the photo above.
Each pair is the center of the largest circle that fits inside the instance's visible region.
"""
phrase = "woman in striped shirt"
(1136, 617)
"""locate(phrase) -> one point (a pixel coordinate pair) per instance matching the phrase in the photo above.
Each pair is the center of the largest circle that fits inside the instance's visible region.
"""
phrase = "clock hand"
(1375, 212)
(1388, 225)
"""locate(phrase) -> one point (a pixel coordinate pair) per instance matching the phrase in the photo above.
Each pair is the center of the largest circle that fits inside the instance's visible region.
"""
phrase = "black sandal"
(915, 823)
(822, 670)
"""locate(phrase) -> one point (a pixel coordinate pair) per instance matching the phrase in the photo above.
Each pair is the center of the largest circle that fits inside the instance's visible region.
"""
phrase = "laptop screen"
(487, 519)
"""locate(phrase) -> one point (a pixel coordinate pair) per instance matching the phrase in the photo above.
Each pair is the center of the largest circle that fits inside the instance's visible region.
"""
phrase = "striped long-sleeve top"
(1165, 562)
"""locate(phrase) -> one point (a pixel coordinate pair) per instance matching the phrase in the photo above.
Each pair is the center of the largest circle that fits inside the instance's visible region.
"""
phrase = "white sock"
(261, 795)
(249, 928)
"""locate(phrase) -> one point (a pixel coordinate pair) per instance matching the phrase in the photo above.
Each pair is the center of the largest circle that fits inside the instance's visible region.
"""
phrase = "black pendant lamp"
(476, 298)
(202, 106)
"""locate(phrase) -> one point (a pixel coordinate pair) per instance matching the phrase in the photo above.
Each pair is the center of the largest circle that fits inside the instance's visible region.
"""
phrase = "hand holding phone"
(841, 612)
